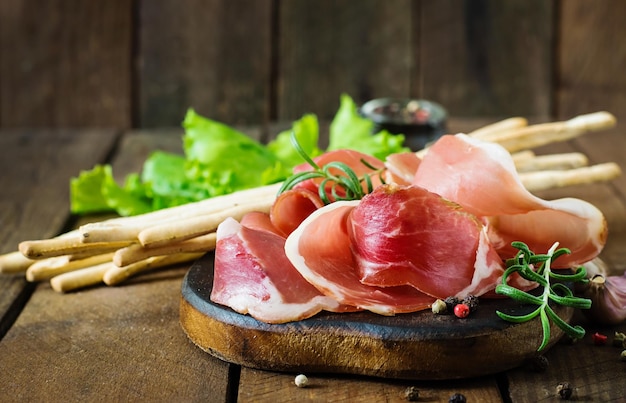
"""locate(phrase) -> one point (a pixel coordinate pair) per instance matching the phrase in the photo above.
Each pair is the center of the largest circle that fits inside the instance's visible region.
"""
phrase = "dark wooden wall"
(142, 63)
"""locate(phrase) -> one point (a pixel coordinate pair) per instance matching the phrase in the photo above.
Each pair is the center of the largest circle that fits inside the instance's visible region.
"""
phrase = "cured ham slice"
(292, 207)
(253, 276)
(401, 168)
(406, 235)
(321, 250)
(481, 176)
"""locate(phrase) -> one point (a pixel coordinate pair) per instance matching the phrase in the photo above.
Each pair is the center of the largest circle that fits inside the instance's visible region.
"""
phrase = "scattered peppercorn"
(457, 398)
(439, 307)
(451, 302)
(461, 311)
(412, 394)
(301, 381)
(471, 301)
(564, 390)
(599, 339)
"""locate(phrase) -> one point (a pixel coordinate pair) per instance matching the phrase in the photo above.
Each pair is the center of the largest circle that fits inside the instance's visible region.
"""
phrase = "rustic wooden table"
(125, 342)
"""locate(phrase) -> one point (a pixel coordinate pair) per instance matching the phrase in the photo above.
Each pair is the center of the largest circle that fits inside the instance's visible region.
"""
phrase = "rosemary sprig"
(341, 180)
(536, 267)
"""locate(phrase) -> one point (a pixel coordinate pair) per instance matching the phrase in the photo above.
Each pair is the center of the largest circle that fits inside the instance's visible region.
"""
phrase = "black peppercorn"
(451, 302)
(471, 301)
(457, 398)
(564, 390)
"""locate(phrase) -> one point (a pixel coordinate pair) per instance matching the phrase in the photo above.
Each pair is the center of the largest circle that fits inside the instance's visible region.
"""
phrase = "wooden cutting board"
(420, 345)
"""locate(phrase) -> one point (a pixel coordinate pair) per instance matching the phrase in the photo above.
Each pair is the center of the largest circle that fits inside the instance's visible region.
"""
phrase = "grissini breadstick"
(541, 180)
(47, 268)
(115, 275)
(192, 227)
(45, 248)
(81, 278)
(541, 134)
(522, 156)
(14, 262)
(129, 227)
(552, 162)
(136, 252)
(506, 125)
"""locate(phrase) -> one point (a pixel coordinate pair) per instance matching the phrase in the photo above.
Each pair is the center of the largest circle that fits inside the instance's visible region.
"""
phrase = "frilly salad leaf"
(218, 160)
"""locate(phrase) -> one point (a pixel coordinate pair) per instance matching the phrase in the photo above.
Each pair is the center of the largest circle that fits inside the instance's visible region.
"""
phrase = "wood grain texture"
(590, 369)
(591, 60)
(65, 63)
(36, 168)
(112, 344)
(487, 57)
(213, 56)
(326, 48)
(265, 386)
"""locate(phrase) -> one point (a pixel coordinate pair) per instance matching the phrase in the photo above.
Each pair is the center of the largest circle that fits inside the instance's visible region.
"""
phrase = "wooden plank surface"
(213, 56)
(595, 372)
(34, 203)
(487, 58)
(65, 63)
(265, 386)
(591, 58)
(327, 48)
(115, 343)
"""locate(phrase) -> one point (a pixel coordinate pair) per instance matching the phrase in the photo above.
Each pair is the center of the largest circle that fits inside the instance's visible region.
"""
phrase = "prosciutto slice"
(321, 250)
(253, 276)
(291, 208)
(481, 176)
(407, 235)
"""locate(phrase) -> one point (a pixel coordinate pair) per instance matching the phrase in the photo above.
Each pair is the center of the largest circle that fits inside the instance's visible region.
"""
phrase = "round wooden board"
(421, 345)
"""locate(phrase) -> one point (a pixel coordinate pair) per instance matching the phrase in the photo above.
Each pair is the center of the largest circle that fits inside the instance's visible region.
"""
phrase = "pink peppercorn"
(599, 339)
(461, 310)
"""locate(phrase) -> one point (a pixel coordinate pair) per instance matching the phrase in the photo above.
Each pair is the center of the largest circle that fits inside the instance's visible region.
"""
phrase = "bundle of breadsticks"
(109, 252)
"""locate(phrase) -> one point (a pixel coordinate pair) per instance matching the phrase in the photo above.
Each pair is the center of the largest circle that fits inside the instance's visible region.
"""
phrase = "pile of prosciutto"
(434, 227)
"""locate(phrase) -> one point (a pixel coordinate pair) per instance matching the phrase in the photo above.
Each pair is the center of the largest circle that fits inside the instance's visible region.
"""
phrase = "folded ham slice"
(407, 235)
(481, 176)
(321, 250)
(253, 276)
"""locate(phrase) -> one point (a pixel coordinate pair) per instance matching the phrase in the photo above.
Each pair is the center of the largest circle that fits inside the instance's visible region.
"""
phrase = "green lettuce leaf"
(219, 160)
(306, 131)
(95, 191)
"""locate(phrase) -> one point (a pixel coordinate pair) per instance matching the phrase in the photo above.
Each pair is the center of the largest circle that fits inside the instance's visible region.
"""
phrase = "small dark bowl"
(421, 121)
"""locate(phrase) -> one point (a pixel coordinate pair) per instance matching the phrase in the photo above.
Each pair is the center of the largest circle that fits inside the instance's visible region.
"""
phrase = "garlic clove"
(608, 299)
